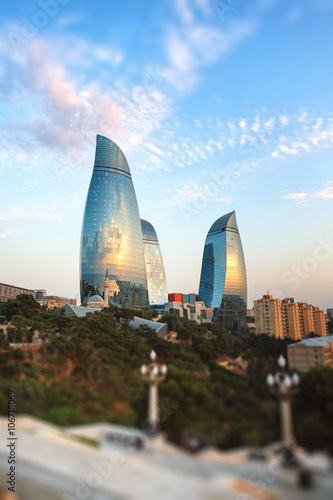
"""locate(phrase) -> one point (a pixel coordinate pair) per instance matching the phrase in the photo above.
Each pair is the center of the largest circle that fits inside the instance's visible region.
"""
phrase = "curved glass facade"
(223, 275)
(111, 232)
(157, 287)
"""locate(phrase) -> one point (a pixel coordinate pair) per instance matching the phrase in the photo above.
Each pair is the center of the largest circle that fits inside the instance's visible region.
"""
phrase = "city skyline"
(215, 110)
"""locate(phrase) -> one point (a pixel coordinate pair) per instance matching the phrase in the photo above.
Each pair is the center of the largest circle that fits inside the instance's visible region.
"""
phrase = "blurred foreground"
(111, 462)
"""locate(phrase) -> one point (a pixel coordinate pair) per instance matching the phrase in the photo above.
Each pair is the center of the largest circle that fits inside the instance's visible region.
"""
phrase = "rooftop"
(96, 298)
(315, 342)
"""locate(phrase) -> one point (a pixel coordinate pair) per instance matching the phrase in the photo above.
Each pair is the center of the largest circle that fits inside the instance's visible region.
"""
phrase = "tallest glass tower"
(111, 238)
(223, 275)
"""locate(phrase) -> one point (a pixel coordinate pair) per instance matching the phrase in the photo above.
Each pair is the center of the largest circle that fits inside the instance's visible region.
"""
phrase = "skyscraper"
(157, 287)
(111, 240)
(223, 275)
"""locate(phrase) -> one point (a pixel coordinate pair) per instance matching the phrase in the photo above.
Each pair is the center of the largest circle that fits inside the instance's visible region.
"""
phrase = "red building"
(176, 297)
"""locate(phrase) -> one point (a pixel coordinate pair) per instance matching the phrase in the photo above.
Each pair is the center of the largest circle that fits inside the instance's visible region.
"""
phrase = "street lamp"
(153, 374)
(284, 387)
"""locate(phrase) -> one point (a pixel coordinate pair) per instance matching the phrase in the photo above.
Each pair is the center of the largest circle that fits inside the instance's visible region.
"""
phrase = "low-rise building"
(196, 311)
(311, 352)
(52, 301)
(10, 292)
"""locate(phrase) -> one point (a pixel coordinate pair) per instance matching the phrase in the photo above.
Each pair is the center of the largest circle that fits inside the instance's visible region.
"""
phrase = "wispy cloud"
(15, 214)
(5, 235)
(326, 193)
(64, 103)
(195, 44)
(63, 112)
(192, 193)
(270, 134)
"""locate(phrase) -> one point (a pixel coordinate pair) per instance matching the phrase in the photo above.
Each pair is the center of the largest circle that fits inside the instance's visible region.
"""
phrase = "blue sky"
(217, 105)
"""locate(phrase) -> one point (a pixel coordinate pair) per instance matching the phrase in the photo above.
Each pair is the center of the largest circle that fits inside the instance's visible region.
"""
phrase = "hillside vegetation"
(87, 370)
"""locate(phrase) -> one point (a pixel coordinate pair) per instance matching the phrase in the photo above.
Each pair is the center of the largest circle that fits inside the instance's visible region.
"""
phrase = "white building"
(196, 311)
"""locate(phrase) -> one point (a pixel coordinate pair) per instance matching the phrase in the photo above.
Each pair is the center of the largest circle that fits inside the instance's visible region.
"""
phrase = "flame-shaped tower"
(223, 275)
(111, 241)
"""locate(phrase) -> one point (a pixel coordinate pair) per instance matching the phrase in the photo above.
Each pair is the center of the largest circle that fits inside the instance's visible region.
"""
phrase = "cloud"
(284, 120)
(60, 85)
(15, 214)
(194, 193)
(296, 196)
(3, 236)
(64, 112)
(155, 149)
(323, 194)
(286, 149)
(196, 43)
(184, 10)
(64, 109)
(307, 134)
(270, 134)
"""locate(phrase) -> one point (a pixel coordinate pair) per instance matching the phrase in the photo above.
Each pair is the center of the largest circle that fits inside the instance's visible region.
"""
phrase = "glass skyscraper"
(157, 287)
(223, 275)
(111, 238)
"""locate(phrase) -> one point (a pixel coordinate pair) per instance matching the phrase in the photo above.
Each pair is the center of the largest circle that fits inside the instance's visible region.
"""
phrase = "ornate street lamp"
(153, 374)
(284, 387)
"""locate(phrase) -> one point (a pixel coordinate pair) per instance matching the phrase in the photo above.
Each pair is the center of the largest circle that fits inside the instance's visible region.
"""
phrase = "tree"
(88, 369)
(24, 305)
(313, 409)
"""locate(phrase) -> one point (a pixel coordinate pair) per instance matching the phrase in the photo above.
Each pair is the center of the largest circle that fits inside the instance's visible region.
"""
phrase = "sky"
(218, 105)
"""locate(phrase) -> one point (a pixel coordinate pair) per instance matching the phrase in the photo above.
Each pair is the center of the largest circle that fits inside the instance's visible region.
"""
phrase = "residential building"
(310, 352)
(156, 280)
(286, 318)
(306, 318)
(268, 316)
(111, 233)
(39, 294)
(9, 292)
(223, 275)
(291, 319)
(320, 327)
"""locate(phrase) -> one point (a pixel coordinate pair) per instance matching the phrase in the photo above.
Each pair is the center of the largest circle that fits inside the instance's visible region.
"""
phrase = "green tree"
(24, 305)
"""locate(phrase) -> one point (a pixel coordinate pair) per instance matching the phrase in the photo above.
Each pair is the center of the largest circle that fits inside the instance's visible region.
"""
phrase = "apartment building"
(286, 318)
(310, 352)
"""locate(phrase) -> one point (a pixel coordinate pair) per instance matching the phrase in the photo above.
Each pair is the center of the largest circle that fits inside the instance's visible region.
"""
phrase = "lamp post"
(284, 387)
(153, 374)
